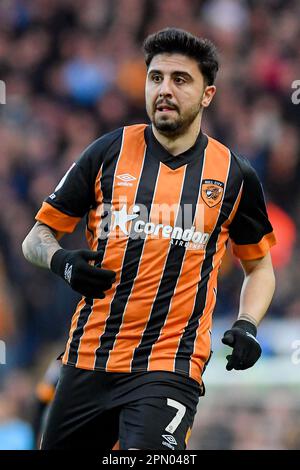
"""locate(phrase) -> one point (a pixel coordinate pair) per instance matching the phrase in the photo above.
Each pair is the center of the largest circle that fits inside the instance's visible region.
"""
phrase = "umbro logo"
(126, 179)
(171, 439)
(68, 272)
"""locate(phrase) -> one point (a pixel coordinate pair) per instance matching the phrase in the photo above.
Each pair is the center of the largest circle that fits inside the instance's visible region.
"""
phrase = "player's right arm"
(71, 200)
(40, 245)
(41, 248)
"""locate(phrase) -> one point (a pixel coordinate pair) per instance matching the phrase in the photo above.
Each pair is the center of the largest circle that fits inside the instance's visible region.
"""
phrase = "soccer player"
(161, 202)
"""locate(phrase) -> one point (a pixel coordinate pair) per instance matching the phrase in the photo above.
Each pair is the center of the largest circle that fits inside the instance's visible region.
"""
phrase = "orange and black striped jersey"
(162, 223)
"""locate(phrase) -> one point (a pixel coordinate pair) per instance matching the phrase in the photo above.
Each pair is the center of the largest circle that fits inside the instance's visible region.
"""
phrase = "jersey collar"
(170, 160)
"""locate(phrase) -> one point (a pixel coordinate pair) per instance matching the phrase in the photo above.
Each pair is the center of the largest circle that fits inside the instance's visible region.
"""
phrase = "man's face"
(175, 93)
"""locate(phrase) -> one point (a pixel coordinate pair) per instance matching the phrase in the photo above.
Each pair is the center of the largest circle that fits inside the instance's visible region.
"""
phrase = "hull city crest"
(212, 192)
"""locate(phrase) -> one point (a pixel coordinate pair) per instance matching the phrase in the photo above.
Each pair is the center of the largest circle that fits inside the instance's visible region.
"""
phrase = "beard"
(176, 124)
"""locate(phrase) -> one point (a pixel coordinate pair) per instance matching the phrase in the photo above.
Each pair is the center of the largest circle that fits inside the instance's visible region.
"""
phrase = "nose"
(165, 88)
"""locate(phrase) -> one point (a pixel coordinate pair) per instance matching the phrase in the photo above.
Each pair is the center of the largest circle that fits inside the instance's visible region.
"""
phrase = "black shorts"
(143, 410)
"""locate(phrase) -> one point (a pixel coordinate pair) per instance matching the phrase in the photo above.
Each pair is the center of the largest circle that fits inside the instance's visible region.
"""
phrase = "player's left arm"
(256, 295)
(257, 289)
(252, 237)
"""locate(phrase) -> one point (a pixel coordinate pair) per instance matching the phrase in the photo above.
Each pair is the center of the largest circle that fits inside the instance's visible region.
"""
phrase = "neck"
(176, 145)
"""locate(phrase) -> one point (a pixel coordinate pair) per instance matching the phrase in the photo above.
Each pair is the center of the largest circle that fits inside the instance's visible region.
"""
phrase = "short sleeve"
(75, 193)
(251, 232)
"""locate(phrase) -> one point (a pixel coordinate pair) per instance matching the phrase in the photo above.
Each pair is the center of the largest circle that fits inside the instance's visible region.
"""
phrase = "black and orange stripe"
(168, 277)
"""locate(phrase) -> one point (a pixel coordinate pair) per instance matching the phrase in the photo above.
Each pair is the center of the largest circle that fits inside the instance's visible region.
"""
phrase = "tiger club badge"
(212, 192)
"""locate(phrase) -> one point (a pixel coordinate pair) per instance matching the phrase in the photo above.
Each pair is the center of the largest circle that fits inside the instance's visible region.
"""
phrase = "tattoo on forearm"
(247, 317)
(40, 245)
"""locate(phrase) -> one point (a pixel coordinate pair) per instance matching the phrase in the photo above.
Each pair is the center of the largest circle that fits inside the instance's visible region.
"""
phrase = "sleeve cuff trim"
(255, 250)
(56, 219)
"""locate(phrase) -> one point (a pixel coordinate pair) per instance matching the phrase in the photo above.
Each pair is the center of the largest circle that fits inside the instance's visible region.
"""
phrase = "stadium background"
(74, 70)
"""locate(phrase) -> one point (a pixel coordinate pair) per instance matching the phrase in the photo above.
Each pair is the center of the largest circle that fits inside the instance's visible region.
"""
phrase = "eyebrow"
(176, 72)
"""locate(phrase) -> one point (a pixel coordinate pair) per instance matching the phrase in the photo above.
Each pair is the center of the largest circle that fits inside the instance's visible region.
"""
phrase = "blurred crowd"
(73, 71)
(247, 420)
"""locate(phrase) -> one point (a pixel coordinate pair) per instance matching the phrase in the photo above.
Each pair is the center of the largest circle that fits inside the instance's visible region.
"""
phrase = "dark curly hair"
(174, 40)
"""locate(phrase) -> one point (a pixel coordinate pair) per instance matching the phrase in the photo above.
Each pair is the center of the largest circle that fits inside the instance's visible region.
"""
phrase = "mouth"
(164, 108)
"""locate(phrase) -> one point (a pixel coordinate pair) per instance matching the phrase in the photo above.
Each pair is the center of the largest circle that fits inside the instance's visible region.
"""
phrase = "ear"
(208, 94)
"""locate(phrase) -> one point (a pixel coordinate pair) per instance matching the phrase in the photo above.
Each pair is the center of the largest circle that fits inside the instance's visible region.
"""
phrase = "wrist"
(247, 326)
(58, 261)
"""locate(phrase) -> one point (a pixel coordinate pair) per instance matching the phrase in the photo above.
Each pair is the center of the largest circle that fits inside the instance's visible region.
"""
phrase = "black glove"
(246, 348)
(73, 266)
